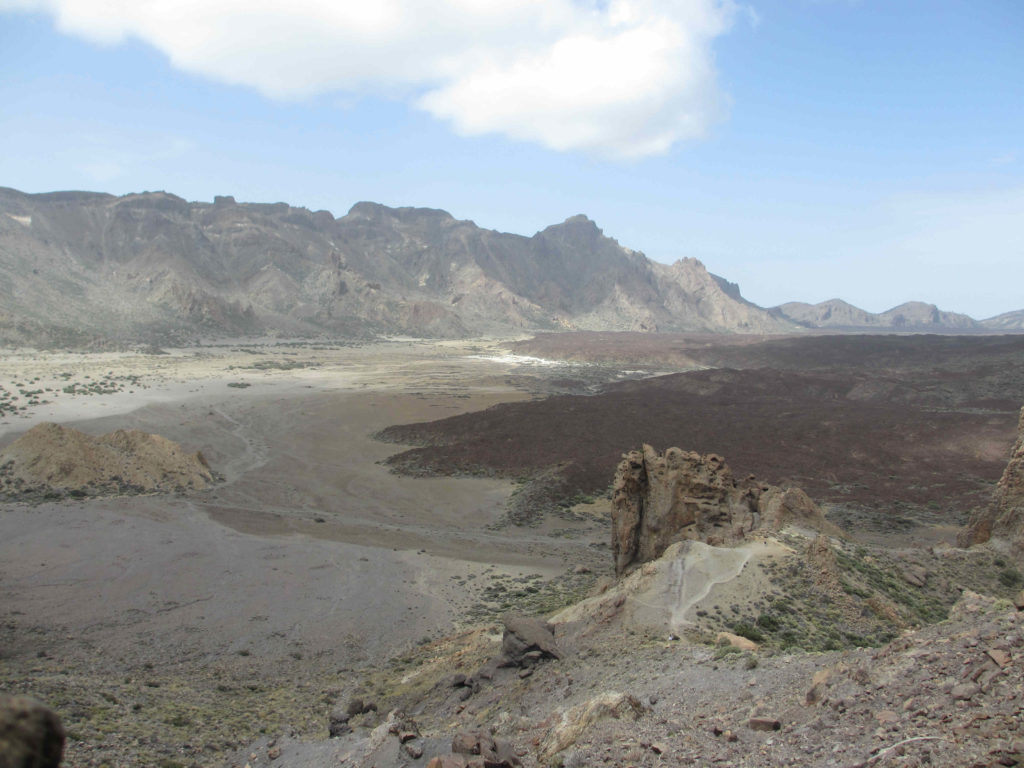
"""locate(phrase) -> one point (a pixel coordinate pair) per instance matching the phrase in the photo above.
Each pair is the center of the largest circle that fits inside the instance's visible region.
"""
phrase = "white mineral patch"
(521, 360)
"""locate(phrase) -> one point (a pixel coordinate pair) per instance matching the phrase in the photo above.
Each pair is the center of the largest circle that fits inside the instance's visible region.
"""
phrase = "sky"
(869, 150)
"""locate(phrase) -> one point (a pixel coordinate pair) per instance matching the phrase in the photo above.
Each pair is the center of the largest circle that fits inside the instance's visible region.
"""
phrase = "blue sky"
(872, 151)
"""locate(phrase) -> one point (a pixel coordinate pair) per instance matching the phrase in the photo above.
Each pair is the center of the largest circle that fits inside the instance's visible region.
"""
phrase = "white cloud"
(625, 78)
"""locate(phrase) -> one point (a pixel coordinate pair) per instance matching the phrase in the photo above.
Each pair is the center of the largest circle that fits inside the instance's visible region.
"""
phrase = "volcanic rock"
(764, 724)
(54, 459)
(1003, 520)
(576, 720)
(527, 640)
(659, 499)
(31, 734)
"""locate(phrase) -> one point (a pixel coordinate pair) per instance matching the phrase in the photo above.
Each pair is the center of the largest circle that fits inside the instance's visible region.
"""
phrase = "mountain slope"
(1008, 321)
(78, 265)
(837, 314)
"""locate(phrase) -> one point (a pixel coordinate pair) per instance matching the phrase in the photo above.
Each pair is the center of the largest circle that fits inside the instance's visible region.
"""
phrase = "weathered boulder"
(527, 640)
(659, 499)
(31, 734)
(1002, 521)
(575, 721)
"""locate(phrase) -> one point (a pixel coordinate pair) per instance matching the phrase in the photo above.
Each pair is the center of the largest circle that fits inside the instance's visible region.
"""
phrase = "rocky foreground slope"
(78, 267)
(790, 646)
(632, 676)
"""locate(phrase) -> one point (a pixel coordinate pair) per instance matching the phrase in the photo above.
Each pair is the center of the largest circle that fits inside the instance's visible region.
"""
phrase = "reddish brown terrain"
(890, 432)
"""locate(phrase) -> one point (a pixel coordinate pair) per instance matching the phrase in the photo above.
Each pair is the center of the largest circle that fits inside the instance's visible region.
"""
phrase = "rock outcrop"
(31, 734)
(1003, 520)
(53, 460)
(661, 499)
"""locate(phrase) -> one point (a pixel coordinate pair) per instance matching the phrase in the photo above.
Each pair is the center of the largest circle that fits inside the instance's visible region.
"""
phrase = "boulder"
(1002, 521)
(31, 734)
(764, 724)
(527, 640)
(576, 720)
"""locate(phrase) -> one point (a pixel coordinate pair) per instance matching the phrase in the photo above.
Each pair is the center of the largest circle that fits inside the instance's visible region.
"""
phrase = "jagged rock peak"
(659, 499)
(581, 219)
(1002, 521)
(578, 227)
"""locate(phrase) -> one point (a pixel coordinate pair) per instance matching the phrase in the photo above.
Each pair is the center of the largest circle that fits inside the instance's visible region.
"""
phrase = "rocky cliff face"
(1003, 520)
(78, 265)
(659, 499)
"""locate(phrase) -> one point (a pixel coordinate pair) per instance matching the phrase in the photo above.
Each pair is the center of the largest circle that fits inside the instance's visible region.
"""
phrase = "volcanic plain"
(375, 498)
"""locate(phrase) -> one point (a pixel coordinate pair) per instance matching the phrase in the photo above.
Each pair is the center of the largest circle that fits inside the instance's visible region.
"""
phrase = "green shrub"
(747, 630)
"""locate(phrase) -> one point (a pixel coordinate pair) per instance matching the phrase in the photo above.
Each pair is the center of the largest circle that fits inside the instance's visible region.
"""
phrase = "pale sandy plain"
(309, 558)
(309, 545)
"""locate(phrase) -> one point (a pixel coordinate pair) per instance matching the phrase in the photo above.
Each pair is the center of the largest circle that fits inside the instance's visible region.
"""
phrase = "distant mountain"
(82, 266)
(838, 315)
(1008, 321)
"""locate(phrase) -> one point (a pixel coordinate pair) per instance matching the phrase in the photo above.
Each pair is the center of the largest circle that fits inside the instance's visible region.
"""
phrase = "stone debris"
(764, 724)
(477, 749)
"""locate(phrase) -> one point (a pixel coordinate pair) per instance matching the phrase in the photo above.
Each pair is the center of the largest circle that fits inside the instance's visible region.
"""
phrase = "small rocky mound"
(52, 460)
(30, 734)
(659, 499)
(1003, 520)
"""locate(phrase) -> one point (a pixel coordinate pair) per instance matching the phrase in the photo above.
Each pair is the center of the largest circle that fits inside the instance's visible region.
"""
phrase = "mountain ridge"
(154, 265)
(911, 316)
(81, 268)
